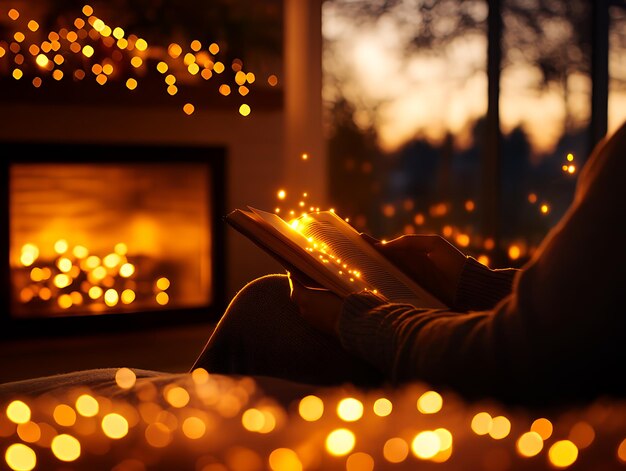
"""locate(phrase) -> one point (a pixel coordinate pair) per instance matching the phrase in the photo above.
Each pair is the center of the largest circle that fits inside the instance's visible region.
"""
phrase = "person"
(550, 332)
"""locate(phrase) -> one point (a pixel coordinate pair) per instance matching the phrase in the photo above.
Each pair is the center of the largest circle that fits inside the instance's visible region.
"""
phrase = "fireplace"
(111, 237)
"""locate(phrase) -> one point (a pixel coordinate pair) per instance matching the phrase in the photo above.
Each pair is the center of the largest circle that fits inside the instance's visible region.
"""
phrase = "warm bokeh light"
(543, 427)
(65, 447)
(125, 378)
(382, 407)
(284, 459)
(87, 405)
(253, 420)
(582, 434)
(340, 442)
(194, 428)
(311, 408)
(200, 376)
(30, 432)
(64, 415)
(163, 283)
(158, 435)
(350, 409)
(621, 451)
(500, 427)
(426, 444)
(529, 444)
(177, 396)
(114, 426)
(562, 453)
(18, 412)
(430, 402)
(514, 252)
(482, 423)
(20, 457)
(395, 450)
(359, 461)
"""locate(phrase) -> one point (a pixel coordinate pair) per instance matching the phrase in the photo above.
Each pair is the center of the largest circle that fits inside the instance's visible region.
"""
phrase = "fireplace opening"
(112, 236)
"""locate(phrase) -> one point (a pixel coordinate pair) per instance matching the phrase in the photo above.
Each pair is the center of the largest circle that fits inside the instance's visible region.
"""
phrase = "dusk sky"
(428, 94)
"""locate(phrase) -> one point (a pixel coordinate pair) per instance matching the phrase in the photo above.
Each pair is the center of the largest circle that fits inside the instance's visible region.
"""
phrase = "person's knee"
(261, 298)
(266, 288)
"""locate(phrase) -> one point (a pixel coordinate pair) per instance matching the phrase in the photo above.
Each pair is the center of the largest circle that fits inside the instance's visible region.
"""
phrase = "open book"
(323, 250)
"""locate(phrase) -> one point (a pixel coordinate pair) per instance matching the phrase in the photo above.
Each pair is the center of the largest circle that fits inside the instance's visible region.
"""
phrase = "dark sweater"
(553, 331)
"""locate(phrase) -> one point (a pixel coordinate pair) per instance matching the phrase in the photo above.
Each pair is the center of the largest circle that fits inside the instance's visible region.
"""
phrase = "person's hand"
(318, 306)
(430, 260)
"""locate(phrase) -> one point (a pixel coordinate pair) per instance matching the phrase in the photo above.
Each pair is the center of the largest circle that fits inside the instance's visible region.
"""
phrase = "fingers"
(414, 243)
(300, 292)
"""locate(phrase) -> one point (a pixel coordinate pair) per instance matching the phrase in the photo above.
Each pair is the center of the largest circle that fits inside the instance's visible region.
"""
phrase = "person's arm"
(480, 287)
(460, 281)
(558, 334)
(455, 350)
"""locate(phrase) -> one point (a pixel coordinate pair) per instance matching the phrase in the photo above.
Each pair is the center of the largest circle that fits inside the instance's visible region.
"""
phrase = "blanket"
(127, 419)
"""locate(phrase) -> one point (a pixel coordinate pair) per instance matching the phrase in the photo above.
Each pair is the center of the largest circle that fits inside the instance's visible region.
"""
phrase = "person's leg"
(262, 334)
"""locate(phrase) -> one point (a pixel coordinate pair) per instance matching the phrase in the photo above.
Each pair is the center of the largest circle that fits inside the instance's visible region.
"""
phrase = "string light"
(88, 48)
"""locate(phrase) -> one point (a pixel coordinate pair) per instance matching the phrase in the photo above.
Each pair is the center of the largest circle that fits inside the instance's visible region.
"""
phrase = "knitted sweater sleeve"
(481, 288)
(406, 342)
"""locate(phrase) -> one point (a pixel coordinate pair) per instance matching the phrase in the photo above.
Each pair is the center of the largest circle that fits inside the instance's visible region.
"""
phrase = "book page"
(311, 259)
(347, 248)
(330, 251)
